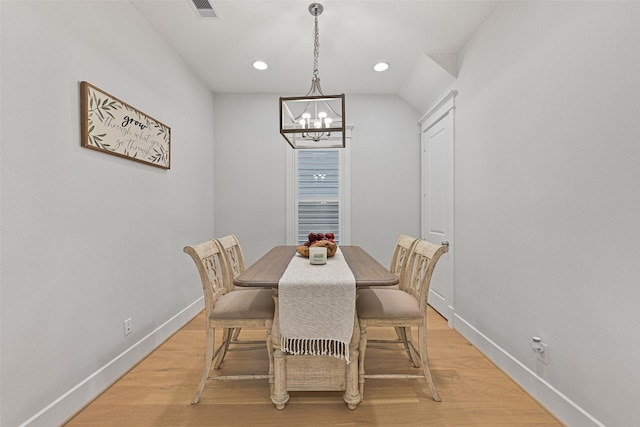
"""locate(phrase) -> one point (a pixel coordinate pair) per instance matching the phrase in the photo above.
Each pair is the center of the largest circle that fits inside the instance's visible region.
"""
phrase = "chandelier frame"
(314, 120)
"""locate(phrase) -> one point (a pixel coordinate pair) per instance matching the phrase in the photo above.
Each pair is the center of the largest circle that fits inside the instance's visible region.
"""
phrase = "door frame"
(444, 109)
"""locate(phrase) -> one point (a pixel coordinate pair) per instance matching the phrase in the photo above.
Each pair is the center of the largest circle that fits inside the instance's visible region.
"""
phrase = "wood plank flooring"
(158, 391)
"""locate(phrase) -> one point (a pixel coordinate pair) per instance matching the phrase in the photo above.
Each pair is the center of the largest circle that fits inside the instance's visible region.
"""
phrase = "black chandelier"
(314, 120)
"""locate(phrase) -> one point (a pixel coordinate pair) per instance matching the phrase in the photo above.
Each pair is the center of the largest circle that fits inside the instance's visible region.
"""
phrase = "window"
(317, 193)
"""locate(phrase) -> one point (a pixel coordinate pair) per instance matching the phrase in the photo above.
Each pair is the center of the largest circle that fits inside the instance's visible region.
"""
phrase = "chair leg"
(362, 349)
(413, 351)
(226, 340)
(405, 335)
(208, 356)
(422, 337)
(402, 336)
(236, 333)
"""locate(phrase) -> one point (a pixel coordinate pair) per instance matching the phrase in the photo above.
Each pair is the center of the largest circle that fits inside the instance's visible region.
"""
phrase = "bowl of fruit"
(318, 240)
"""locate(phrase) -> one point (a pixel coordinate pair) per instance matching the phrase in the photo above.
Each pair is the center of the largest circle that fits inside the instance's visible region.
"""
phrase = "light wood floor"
(158, 391)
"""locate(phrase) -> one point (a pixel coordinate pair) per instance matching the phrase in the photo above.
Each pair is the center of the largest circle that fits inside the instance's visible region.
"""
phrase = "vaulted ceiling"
(418, 38)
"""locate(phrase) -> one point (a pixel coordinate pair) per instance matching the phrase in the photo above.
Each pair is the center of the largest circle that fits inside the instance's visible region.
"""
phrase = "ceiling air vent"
(204, 8)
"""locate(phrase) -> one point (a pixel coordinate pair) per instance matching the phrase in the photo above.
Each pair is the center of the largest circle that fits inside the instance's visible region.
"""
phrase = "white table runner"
(316, 305)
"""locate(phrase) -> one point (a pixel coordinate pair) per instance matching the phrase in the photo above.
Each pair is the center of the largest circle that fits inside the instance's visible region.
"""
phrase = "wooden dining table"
(313, 372)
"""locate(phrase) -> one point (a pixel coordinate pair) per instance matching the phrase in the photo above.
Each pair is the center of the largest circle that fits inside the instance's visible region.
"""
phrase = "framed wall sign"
(115, 127)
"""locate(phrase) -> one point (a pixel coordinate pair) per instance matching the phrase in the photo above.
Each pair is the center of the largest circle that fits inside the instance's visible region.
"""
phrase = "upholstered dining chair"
(233, 251)
(228, 309)
(402, 308)
(399, 260)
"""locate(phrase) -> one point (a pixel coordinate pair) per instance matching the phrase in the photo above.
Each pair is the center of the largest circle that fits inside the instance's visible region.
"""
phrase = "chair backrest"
(401, 254)
(417, 277)
(232, 250)
(213, 269)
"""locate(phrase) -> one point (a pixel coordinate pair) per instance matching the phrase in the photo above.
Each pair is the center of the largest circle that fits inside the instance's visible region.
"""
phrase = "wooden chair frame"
(230, 245)
(417, 278)
(399, 261)
(401, 255)
(215, 275)
(233, 251)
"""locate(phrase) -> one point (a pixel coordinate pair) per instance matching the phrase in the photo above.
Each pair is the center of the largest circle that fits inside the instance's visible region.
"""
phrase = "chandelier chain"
(316, 47)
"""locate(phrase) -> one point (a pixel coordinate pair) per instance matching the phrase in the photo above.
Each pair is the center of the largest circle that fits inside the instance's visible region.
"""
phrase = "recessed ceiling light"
(381, 66)
(260, 65)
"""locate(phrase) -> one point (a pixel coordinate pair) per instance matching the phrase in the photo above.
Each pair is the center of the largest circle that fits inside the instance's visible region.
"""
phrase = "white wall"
(250, 172)
(548, 202)
(89, 239)
(385, 168)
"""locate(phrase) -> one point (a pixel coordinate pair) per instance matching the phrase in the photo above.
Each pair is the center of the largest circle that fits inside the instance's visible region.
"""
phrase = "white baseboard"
(439, 304)
(64, 407)
(563, 408)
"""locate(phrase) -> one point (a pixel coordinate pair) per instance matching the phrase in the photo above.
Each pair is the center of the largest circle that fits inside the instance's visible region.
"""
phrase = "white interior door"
(437, 205)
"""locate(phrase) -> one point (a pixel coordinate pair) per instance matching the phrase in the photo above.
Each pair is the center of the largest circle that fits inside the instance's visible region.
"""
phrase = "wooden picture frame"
(113, 126)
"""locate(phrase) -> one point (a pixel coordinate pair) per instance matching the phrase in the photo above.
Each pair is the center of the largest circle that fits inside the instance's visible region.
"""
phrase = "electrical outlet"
(541, 349)
(543, 353)
(127, 327)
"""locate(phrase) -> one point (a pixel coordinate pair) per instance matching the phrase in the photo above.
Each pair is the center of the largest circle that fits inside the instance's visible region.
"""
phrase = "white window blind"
(318, 193)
